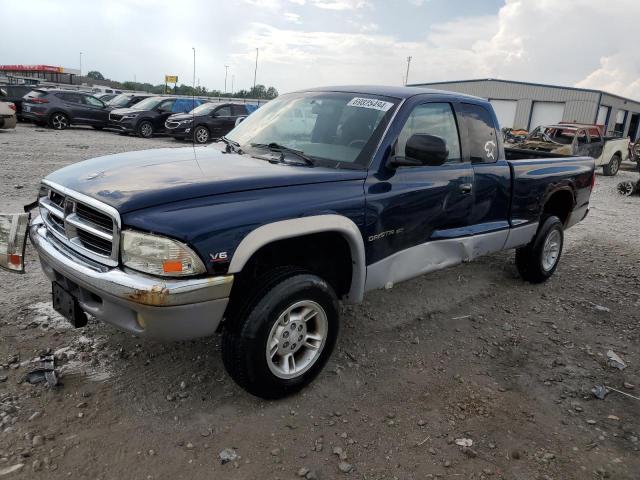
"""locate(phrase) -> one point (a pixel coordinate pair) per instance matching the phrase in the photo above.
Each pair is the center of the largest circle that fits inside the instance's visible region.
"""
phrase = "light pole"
(194, 70)
(226, 71)
(255, 71)
(406, 78)
(233, 78)
(80, 63)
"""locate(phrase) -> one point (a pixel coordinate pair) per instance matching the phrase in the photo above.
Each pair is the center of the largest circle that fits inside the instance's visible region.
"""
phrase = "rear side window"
(481, 133)
(432, 119)
(238, 110)
(36, 94)
(70, 97)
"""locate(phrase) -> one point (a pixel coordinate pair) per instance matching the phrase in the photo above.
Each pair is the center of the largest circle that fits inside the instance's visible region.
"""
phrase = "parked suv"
(127, 100)
(148, 116)
(207, 122)
(15, 94)
(61, 108)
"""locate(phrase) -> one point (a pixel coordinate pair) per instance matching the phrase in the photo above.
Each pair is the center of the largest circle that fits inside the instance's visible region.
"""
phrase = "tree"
(95, 75)
(271, 93)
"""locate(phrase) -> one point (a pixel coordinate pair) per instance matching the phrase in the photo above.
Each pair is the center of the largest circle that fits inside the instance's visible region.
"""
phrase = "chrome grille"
(82, 223)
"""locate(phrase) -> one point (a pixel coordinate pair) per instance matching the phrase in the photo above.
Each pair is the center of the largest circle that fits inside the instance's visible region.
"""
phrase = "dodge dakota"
(263, 234)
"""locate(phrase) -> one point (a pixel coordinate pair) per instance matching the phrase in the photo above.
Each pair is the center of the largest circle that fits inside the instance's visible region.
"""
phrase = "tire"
(611, 168)
(262, 320)
(201, 135)
(537, 262)
(59, 121)
(145, 129)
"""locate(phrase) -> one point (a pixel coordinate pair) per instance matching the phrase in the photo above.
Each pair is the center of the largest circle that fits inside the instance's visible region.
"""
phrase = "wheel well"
(326, 254)
(559, 204)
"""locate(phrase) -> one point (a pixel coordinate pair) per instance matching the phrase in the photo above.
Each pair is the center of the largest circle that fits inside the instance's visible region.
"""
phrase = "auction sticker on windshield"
(370, 103)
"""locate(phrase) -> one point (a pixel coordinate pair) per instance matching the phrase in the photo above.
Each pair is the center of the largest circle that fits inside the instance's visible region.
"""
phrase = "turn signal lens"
(158, 255)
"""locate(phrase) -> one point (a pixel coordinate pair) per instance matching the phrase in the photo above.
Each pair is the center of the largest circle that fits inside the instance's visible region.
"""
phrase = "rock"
(591, 422)
(302, 472)
(275, 452)
(547, 457)
(515, 454)
(3, 378)
(12, 469)
(614, 360)
(183, 385)
(82, 405)
(228, 455)
(600, 308)
(37, 441)
(312, 475)
(464, 442)
(421, 423)
(345, 467)
(80, 415)
(337, 451)
(36, 466)
(628, 386)
(170, 398)
(446, 464)
(189, 446)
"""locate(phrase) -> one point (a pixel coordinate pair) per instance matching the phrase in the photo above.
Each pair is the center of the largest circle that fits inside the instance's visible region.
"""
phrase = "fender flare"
(297, 227)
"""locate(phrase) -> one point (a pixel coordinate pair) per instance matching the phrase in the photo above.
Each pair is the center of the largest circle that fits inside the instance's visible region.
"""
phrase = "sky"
(309, 43)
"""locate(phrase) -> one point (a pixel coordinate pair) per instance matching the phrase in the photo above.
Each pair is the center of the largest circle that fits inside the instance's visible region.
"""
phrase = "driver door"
(164, 110)
(410, 209)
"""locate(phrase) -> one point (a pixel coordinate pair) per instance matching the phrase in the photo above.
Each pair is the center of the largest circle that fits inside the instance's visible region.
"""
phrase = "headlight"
(130, 116)
(184, 122)
(159, 255)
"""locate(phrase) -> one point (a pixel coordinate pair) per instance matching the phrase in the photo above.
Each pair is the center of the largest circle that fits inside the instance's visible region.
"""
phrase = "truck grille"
(115, 117)
(82, 223)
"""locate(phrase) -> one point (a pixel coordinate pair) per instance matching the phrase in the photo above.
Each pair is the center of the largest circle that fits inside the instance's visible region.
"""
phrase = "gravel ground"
(471, 352)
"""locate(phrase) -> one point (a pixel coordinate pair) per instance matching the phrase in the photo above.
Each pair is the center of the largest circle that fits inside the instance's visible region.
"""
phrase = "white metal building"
(527, 105)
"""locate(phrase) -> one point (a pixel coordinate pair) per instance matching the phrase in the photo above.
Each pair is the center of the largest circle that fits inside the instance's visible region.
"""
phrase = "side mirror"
(422, 149)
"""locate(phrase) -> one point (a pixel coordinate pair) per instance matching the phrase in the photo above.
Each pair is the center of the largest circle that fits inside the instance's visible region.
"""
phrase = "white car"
(582, 140)
(7, 115)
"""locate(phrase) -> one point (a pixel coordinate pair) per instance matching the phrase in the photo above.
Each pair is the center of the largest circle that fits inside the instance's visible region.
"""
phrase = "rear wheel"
(611, 169)
(201, 134)
(283, 335)
(538, 261)
(59, 121)
(145, 129)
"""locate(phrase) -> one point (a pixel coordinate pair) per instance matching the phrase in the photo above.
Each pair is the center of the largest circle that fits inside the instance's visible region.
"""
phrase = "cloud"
(292, 17)
(340, 4)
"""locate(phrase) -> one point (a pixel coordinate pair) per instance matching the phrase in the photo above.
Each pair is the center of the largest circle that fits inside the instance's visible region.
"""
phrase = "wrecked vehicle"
(578, 139)
(262, 234)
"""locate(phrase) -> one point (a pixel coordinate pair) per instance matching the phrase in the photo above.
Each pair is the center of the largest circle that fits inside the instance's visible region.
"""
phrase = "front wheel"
(538, 261)
(145, 129)
(282, 338)
(201, 134)
(611, 168)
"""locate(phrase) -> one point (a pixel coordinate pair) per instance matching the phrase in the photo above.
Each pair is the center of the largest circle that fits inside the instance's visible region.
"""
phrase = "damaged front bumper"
(166, 309)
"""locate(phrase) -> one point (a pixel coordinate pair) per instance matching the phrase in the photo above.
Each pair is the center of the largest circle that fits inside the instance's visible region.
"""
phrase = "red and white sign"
(31, 68)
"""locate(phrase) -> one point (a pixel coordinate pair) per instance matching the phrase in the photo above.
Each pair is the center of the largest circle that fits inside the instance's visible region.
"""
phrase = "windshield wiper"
(232, 146)
(283, 149)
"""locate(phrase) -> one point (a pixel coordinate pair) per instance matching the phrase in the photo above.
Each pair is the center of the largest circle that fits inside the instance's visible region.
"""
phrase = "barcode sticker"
(370, 103)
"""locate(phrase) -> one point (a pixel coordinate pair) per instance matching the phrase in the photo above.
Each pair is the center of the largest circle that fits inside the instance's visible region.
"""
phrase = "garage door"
(505, 111)
(546, 113)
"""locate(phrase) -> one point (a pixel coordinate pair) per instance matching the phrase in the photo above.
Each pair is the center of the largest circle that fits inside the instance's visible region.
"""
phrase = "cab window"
(166, 106)
(223, 111)
(481, 133)
(92, 101)
(435, 119)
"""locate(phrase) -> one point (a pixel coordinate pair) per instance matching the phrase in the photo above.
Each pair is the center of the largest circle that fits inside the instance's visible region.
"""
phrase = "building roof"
(532, 84)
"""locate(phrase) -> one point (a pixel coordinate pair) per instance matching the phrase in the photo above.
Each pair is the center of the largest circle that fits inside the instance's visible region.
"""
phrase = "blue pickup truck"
(263, 234)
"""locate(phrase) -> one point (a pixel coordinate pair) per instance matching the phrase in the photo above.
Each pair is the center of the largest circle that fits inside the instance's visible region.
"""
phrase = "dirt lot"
(471, 352)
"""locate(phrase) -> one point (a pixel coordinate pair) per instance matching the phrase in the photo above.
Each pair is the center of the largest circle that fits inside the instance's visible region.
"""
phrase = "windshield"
(148, 103)
(204, 109)
(119, 100)
(560, 135)
(332, 126)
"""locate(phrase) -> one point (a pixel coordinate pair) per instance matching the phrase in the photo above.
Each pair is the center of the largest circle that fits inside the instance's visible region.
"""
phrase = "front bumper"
(128, 125)
(165, 309)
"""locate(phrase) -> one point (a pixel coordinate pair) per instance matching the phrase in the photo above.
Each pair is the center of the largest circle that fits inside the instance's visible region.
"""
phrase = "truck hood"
(135, 180)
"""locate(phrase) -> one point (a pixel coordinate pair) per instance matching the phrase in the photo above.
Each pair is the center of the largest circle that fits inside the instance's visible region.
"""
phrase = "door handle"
(466, 188)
